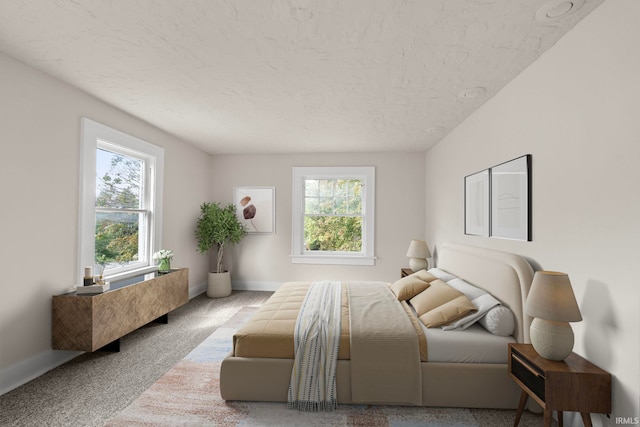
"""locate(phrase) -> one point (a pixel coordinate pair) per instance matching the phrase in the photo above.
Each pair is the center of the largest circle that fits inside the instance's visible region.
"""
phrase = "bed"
(448, 376)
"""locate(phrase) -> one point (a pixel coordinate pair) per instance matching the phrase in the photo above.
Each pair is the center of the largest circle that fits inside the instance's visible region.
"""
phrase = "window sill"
(333, 259)
(131, 273)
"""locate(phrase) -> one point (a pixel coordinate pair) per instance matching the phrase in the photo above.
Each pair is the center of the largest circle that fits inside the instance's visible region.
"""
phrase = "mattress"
(269, 333)
(472, 345)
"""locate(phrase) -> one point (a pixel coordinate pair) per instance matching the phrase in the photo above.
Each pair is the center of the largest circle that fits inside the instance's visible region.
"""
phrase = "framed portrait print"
(476, 204)
(256, 208)
(511, 199)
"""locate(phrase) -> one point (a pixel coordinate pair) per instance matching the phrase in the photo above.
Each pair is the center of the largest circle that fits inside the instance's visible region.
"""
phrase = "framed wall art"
(511, 199)
(256, 208)
(476, 204)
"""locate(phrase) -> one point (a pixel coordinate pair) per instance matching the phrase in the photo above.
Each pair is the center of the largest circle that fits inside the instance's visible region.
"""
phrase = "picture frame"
(256, 208)
(511, 199)
(476, 204)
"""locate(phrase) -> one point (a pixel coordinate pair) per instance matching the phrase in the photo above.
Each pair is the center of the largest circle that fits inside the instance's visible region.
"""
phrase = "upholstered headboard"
(506, 276)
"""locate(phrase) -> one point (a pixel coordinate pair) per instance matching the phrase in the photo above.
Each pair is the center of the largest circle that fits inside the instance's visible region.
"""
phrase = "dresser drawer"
(531, 376)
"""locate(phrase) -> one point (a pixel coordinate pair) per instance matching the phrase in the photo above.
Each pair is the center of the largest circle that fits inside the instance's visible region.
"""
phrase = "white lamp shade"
(551, 298)
(418, 249)
(418, 253)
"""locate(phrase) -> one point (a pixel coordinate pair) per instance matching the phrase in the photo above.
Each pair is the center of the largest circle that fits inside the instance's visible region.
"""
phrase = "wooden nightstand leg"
(586, 419)
(560, 419)
(523, 401)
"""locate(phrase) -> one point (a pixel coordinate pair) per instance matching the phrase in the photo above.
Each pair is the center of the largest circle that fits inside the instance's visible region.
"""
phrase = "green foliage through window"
(118, 189)
(333, 215)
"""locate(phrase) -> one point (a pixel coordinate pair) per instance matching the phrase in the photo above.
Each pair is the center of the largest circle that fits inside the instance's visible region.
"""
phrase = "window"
(333, 215)
(121, 196)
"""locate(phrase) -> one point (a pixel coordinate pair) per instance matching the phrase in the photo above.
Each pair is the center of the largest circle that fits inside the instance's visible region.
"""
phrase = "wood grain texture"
(87, 323)
(573, 384)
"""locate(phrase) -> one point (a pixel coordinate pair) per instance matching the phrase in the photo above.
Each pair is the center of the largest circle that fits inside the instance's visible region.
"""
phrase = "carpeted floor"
(167, 375)
(94, 387)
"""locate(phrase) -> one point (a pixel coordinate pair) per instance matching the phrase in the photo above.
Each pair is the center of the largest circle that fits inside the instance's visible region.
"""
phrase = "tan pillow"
(448, 312)
(425, 275)
(408, 287)
(434, 296)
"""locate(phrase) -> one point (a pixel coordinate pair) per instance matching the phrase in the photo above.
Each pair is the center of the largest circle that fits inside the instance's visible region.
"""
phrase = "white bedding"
(472, 345)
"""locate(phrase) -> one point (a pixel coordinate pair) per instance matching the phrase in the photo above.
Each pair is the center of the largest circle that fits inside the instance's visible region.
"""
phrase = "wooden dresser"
(97, 321)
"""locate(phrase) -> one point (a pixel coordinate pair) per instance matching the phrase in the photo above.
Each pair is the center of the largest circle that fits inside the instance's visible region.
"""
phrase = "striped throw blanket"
(316, 341)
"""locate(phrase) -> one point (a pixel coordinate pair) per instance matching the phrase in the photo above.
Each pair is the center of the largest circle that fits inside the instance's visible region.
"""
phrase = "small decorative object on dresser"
(573, 384)
(553, 305)
(164, 257)
(418, 253)
(88, 276)
(98, 288)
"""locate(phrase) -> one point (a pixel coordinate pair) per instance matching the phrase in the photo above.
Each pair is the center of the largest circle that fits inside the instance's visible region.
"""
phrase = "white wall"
(263, 261)
(577, 111)
(40, 141)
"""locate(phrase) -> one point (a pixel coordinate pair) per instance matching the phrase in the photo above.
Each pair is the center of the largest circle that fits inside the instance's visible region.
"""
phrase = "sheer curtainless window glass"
(123, 214)
(121, 193)
(333, 215)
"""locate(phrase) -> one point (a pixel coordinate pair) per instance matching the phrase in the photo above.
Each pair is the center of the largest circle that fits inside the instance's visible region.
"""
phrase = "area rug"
(188, 395)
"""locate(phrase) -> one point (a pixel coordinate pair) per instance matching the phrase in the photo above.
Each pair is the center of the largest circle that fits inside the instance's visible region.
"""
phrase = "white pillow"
(472, 292)
(479, 297)
(441, 274)
(499, 321)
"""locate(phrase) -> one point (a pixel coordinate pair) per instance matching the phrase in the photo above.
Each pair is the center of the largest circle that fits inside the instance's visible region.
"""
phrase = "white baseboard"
(24, 371)
(250, 285)
(200, 288)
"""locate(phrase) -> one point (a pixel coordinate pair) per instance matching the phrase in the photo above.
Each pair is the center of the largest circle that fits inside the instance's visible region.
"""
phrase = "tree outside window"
(120, 214)
(333, 215)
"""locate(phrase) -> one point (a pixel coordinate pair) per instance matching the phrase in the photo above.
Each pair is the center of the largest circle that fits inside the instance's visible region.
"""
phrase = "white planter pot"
(219, 285)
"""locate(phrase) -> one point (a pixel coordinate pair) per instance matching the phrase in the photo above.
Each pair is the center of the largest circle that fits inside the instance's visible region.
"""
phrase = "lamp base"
(417, 264)
(552, 340)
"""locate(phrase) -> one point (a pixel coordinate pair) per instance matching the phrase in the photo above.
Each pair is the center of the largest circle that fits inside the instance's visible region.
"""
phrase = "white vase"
(219, 285)
(417, 264)
(552, 340)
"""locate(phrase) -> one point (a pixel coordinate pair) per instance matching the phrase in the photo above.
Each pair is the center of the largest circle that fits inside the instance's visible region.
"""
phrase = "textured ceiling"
(259, 76)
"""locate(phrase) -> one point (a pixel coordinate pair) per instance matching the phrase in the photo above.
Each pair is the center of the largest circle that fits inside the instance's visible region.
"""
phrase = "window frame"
(95, 136)
(364, 173)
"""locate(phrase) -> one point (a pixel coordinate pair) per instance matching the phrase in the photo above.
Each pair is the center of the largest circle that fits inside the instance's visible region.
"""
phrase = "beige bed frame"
(471, 385)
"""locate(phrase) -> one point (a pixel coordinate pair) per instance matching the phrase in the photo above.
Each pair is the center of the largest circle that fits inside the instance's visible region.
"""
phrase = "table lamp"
(553, 305)
(418, 253)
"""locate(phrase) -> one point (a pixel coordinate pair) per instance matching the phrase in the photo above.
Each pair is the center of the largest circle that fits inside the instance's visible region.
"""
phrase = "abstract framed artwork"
(476, 204)
(256, 208)
(511, 199)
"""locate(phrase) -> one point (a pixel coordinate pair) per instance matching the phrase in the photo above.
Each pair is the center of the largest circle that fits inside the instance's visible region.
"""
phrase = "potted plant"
(218, 227)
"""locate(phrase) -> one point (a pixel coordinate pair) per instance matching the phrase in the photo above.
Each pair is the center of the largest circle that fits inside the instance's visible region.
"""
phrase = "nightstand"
(573, 384)
(404, 272)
